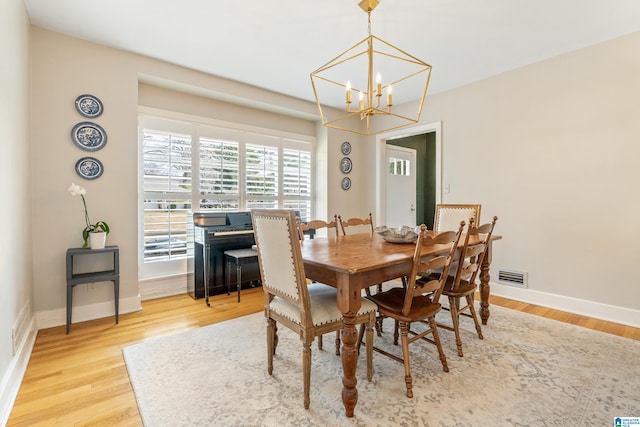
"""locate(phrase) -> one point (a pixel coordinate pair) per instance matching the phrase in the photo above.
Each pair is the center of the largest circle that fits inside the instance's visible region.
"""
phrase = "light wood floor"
(81, 379)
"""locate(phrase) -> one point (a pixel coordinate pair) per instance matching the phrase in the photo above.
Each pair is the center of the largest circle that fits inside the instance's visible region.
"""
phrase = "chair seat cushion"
(324, 308)
(390, 304)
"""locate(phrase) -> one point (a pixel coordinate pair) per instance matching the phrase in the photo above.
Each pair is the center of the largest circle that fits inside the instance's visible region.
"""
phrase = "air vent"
(513, 278)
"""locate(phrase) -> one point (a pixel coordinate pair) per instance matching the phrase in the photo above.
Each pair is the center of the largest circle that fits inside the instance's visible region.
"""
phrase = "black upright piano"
(214, 233)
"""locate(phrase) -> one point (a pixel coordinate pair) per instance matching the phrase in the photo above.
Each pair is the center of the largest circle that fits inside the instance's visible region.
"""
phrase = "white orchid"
(77, 190)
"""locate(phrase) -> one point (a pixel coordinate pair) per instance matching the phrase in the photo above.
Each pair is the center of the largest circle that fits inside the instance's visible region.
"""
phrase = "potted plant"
(94, 233)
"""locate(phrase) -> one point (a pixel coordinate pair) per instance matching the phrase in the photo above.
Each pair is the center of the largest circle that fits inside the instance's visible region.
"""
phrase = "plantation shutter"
(219, 174)
(167, 193)
(261, 172)
(296, 181)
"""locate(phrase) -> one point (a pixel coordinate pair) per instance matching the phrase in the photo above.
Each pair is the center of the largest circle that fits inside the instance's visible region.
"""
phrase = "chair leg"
(404, 336)
(436, 339)
(369, 344)
(275, 336)
(395, 333)
(360, 337)
(270, 344)
(338, 342)
(454, 304)
(319, 342)
(379, 320)
(474, 315)
(306, 372)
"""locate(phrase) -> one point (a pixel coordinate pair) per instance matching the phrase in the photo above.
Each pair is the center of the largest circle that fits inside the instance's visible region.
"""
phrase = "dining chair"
(448, 216)
(308, 310)
(420, 300)
(463, 283)
(316, 224)
(352, 222)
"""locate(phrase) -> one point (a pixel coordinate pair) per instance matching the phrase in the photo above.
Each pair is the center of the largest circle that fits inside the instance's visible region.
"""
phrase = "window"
(216, 169)
(167, 190)
(399, 167)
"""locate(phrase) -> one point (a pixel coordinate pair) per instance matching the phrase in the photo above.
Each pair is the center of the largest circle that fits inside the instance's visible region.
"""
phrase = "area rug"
(528, 371)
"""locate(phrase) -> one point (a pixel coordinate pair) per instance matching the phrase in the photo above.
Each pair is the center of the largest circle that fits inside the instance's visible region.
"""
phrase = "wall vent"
(513, 278)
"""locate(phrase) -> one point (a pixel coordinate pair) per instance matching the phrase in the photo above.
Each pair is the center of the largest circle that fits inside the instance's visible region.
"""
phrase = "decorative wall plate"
(89, 106)
(346, 183)
(345, 148)
(89, 168)
(89, 136)
(346, 165)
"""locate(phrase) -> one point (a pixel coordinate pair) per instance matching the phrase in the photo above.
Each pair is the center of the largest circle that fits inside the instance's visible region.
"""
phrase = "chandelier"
(366, 77)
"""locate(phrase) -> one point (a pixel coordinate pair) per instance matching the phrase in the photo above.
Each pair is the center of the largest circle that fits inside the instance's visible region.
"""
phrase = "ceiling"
(276, 44)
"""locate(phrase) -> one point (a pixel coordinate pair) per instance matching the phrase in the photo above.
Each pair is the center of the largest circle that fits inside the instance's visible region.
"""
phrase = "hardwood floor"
(81, 379)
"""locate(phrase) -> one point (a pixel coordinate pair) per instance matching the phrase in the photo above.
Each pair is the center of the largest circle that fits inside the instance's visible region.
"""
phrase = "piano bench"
(239, 257)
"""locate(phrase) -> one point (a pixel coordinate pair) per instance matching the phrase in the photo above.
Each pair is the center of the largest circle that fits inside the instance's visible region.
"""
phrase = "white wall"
(552, 150)
(16, 301)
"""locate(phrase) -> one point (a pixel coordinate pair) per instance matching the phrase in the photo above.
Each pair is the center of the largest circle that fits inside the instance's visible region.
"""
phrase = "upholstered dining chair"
(448, 216)
(420, 300)
(462, 284)
(308, 310)
(352, 222)
(316, 224)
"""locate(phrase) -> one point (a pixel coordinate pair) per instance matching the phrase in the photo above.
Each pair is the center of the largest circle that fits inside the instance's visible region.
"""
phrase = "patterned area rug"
(528, 371)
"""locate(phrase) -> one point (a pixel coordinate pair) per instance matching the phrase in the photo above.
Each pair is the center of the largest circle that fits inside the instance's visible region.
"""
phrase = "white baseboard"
(12, 380)
(57, 317)
(611, 313)
(162, 287)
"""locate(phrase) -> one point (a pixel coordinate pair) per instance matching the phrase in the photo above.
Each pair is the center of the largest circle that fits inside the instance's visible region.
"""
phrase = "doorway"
(401, 185)
(426, 139)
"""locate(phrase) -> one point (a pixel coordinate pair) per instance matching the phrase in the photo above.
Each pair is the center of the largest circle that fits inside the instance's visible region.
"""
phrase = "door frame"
(381, 183)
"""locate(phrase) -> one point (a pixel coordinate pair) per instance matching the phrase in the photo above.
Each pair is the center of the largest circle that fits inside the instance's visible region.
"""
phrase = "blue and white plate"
(345, 165)
(89, 136)
(346, 183)
(89, 106)
(89, 168)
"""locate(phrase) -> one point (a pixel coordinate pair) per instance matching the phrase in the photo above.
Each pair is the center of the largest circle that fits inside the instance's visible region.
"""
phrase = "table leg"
(485, 289)
(349, 301)
(116, 295)
(349, 336)
(69, 305)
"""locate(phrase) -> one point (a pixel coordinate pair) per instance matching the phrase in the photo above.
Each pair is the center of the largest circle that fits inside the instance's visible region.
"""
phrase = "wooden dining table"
(353, 262)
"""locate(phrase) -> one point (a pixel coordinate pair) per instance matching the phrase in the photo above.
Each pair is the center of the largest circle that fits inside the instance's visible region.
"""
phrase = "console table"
(73, 279)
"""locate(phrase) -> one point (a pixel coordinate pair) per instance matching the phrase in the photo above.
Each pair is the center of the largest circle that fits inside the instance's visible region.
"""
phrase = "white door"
(401, 186)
